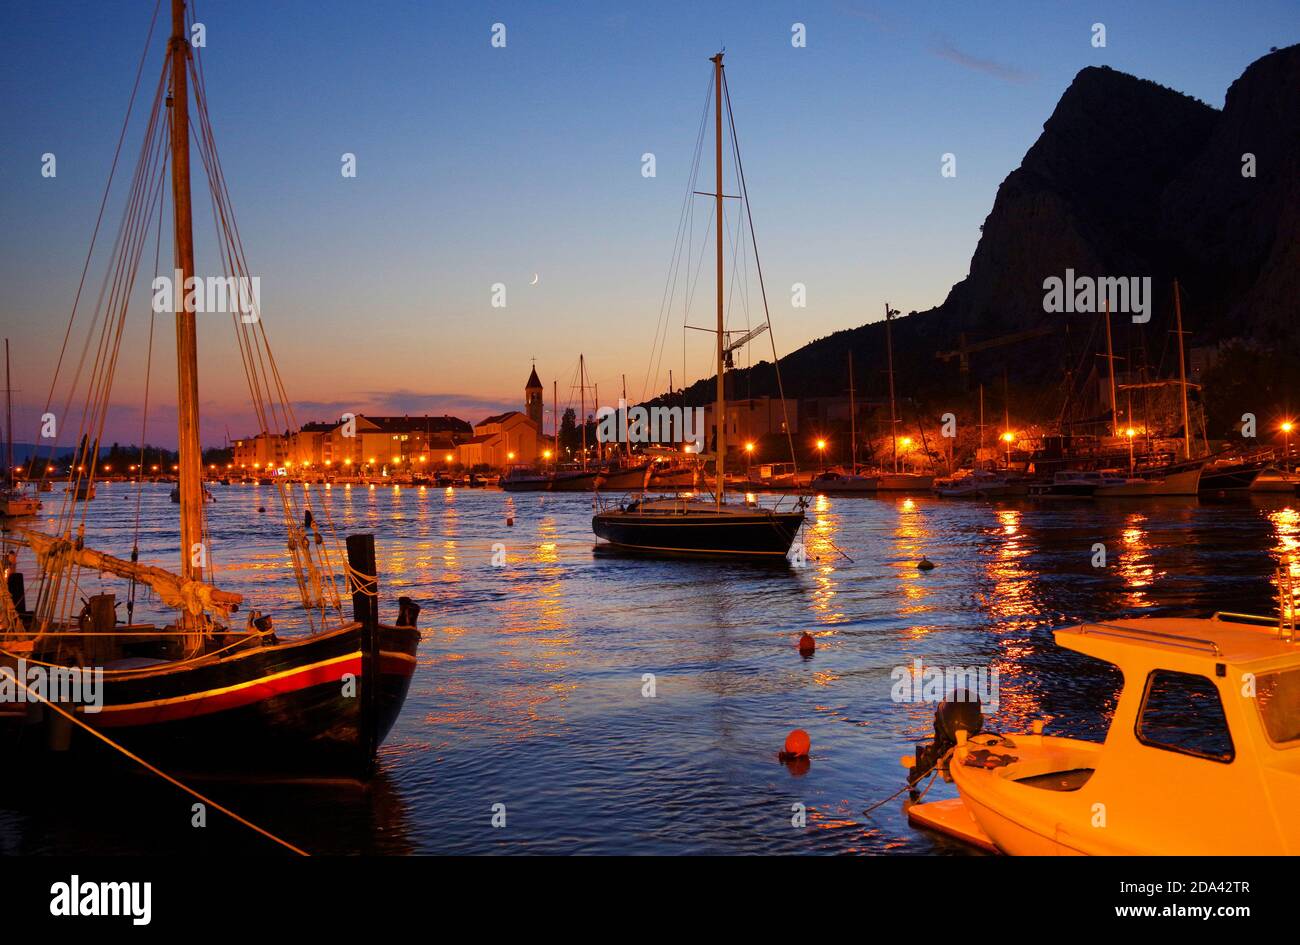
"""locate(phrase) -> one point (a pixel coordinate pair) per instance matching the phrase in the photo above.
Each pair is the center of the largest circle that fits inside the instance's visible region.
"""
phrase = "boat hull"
(763, 534)
(1186, 482)
(293, 708)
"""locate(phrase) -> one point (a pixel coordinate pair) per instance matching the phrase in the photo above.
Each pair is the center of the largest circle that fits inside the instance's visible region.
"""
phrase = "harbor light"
(749, 447)
(546, 454)
(1286, 431)
(821, 448)
(447, 458)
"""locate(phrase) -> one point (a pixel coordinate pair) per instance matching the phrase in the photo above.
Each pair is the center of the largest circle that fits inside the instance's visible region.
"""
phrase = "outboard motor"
(957, 712)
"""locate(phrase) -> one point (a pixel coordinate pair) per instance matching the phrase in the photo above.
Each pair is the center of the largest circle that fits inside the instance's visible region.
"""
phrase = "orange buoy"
(797, 744)
(806, 644)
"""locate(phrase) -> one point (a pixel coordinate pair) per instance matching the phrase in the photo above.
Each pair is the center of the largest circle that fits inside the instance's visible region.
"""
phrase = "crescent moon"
(536, 278)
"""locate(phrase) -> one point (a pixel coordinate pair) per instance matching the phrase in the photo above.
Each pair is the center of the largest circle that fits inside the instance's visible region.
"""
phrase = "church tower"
(533, 405)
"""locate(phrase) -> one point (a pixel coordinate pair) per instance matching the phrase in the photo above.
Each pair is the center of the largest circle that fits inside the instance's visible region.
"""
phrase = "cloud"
(946, 50)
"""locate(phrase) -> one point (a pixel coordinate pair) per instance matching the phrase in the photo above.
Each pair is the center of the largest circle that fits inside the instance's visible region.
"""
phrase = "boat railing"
(1231, 617)
(1152, 636)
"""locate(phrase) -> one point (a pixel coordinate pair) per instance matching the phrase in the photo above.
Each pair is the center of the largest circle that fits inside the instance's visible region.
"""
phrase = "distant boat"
(1229, 476)
(836, 482)
(1273, 479)
(979, 484)
(1184, 482)
(1073, 484)
(520, 479)
(14, 502)
(207, 495)
(690, 526)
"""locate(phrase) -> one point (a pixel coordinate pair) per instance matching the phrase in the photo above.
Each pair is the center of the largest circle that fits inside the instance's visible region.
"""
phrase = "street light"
(1130, 433)
(749, 455)
(821, 448)
(906, 443)
(1008, 438)
(1286, 452)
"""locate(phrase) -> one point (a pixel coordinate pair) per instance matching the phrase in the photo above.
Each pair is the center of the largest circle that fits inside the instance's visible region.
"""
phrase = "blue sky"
(479, 165)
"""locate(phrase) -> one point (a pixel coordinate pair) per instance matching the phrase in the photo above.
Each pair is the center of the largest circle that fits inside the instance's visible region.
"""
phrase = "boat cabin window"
(1278, 698)
(1182, 712)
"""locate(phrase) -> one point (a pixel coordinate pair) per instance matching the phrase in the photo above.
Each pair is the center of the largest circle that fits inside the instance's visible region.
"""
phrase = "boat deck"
(952, 819)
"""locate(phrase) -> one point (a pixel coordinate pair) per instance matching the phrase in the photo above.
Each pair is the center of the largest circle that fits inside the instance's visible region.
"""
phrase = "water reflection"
(822, 553)
(529, 686)
(1134, 561)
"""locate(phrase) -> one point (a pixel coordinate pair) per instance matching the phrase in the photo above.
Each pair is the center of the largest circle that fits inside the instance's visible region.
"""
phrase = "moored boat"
(1191, 764)
(697, 527)
(1184, 482)
(1275, 479)
(193, 690)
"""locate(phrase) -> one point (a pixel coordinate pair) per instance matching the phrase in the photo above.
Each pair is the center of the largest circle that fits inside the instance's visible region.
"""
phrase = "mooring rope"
(162, 774)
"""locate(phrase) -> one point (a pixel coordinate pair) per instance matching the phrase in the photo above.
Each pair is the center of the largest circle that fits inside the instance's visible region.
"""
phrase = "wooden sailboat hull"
(762, 534)
(282, 708)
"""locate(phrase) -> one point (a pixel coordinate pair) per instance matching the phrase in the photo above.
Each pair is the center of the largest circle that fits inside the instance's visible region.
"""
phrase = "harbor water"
(568, 701)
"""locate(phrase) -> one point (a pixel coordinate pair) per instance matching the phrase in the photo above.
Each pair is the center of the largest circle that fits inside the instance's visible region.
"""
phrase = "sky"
(479, 165)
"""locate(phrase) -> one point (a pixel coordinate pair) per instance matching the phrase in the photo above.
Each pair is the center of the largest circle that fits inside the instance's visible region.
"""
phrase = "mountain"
(1128, 178)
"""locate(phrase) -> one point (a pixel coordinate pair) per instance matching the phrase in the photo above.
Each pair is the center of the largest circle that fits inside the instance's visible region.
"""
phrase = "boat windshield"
(1278, 698)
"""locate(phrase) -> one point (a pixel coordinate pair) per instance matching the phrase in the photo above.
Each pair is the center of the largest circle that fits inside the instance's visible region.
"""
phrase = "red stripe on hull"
(390, 665)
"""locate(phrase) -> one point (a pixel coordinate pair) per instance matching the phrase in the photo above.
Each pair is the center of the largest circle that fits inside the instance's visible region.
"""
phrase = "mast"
(893, 412)
(582, 396)
(189, 477)
(9, 422)
(627, 447)
(720, 407)
(853, 419)
(555, 419)
(981, 416)
(1110, 362)
(1182, 374)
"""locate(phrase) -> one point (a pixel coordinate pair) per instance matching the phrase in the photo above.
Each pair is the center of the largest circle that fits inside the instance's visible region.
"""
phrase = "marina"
(579, 431)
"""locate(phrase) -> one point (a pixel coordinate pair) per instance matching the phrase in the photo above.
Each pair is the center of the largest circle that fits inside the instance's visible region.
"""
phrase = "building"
(372, 444)
(534, 403)
(508, 438)
(307, 446)
(263, 451)
(752, 419)
(503, 440)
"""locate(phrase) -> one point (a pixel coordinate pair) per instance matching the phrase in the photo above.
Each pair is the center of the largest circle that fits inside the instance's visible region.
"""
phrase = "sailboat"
(195, 691)
(14, 502)
(677, 525)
